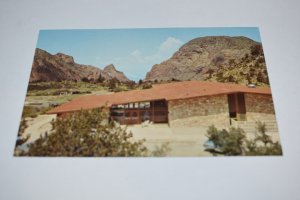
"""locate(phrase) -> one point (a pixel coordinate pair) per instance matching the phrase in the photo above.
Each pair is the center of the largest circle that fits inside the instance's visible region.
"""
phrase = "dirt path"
(187, 141)
(38, 126)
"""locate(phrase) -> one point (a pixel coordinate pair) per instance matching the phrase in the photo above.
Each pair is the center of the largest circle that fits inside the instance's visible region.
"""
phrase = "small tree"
(248, 77)
(231, 62)
(100, 79)
(113, 83)
(85, 79)
(130, 84)
(260, 77)
(256, 50)
(231, 78)
(210, 72)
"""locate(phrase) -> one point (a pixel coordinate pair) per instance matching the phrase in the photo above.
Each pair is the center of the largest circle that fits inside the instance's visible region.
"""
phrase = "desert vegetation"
(64, 87)
(233, 142)
(89, 133)
(251, 69)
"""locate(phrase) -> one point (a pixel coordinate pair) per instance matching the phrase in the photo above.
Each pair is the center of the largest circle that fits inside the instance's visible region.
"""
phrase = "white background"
(242, 178)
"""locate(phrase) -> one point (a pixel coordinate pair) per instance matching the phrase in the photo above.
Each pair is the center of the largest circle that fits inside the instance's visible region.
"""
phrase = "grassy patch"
(61, 88)
(34, 111)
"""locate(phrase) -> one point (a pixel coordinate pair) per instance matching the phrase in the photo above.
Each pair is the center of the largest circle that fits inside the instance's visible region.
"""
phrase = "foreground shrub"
(234, 142)
(263, 144)
(86, 133)
(228, 142)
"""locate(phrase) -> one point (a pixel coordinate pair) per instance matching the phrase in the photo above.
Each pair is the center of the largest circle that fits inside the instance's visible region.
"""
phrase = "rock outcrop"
(110, 72)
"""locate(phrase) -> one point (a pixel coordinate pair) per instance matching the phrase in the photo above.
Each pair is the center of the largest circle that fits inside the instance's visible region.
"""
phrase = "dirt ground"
(182, 141)
(186, 141)
(38, 126)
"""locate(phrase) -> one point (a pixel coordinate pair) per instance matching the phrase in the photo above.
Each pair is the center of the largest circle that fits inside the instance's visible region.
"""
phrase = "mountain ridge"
(217, 58)
(60, 67)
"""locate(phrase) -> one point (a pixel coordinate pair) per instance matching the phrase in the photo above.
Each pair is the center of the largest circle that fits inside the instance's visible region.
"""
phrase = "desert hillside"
(61, 67)
(218, 58)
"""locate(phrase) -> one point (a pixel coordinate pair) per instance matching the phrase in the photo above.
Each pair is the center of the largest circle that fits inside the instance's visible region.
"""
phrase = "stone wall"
(259, 107)
(199, 111)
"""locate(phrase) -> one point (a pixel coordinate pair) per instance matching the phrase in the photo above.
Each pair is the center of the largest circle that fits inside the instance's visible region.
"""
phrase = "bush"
(30, 111)
(234, 142)
(100, 79)
(86, 133)
(229, 142)
(263, 144)
(112, 84)
(256, 50)
(85, 79)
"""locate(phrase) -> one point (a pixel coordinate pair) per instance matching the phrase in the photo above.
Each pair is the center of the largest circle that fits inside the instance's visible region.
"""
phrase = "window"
(145, 105)
(120, 106)
(136, 105)
(117, 114)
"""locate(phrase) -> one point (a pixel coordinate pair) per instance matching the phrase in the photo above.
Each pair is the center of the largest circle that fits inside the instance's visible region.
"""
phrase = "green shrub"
(229, 142)
(234, 142)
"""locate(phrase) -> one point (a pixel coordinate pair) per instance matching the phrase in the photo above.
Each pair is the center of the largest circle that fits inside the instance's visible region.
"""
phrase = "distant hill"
(60, 67)
(217, 58)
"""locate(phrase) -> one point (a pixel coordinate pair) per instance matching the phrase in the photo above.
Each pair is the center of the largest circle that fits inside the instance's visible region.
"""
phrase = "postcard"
(151, 92)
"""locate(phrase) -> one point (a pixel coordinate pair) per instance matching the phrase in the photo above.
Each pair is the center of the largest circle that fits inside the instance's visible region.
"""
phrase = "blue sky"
(132, 51)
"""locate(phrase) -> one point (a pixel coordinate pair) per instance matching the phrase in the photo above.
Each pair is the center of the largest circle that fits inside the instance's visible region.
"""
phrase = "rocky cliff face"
(111, 72)
(221, 58)
(60, 67)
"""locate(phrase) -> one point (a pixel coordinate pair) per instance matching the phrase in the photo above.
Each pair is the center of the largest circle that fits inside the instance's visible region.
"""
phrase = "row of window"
(132, 105)
(142, 114)
(141, 105)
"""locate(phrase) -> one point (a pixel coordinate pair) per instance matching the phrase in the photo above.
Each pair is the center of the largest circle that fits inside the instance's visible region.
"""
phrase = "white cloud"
(170, 44)
(136, 53)
(164, 51)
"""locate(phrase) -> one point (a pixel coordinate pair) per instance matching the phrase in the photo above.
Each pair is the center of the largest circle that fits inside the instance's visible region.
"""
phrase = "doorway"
(237, 106)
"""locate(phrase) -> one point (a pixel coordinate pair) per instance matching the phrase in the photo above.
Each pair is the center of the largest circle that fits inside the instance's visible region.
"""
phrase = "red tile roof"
(169, 91)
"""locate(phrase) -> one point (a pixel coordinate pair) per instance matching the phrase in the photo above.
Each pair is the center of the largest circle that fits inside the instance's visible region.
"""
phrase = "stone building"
(187, 103)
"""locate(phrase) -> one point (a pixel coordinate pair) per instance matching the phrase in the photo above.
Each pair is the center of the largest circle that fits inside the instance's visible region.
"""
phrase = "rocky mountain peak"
(111, 71)
(65, 58)
(201, 58)
(110, 67)
(60, 67)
